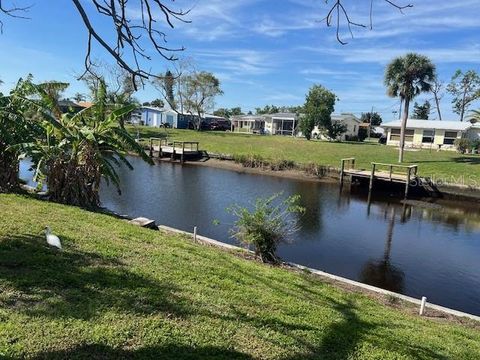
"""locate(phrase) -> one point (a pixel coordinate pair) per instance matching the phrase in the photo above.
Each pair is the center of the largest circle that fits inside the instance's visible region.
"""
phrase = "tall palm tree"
(474, 116)
(406, 77)
(77, 150)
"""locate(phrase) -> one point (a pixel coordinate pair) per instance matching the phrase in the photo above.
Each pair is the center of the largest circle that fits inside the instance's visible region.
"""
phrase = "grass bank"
(443, 165)
(118, 291)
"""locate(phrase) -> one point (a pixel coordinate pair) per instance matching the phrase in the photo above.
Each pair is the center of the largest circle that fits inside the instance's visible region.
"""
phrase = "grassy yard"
(447, 165)
(118, 291)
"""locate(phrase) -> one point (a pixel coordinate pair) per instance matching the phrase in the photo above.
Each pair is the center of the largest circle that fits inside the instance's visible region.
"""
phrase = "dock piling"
(194, 234)
(422, 306)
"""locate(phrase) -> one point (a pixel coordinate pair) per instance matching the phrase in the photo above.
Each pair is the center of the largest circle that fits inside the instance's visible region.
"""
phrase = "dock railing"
(386, 172)
(347, 164)
(154, 140)
(173, 147)
(409, 171)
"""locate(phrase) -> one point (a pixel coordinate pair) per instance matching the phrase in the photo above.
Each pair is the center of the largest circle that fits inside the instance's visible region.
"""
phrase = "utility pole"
(370, 124)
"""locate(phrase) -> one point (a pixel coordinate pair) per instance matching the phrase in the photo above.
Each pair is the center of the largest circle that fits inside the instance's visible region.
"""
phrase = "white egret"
(52, 240)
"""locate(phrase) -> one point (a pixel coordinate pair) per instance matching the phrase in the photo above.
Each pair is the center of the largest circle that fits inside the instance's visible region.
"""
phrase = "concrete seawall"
(374, 289)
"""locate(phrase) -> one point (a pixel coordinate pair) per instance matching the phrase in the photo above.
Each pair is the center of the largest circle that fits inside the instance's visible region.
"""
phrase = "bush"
(463, 145)
(267, 225)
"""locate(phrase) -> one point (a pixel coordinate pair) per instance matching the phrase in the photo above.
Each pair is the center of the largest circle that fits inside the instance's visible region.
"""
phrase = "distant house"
(156, 117)
(351, 122)
(270, 124)
(430, 133)
(281, 124)
(69, 106)
(250, 124)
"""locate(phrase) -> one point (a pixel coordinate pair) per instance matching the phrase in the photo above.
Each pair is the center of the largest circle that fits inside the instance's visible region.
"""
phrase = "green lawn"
(118, 291)
(447, 165)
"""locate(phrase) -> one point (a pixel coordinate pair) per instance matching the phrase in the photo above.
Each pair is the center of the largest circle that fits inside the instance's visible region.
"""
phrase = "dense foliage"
(318, 108)
(372, 118)
(14, 128)
(71, 152)
(465, 89)
(421, 111)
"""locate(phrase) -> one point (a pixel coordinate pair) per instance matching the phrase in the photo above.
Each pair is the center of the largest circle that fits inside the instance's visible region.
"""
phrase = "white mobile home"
(430, 133)
(153, 116)
(281, 124)
(250, 124)
(351, 122)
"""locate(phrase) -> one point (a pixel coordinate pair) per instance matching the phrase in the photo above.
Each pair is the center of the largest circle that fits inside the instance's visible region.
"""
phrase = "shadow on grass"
(76, 284)
(473, 160)
(173, 351)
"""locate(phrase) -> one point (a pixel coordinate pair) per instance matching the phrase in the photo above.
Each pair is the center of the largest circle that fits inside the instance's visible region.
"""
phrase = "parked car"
(382, 140)
(220, 125)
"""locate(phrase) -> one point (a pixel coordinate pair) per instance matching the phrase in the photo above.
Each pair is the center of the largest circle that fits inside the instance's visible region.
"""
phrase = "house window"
(395, 135)
(450, 137)
(428, 136)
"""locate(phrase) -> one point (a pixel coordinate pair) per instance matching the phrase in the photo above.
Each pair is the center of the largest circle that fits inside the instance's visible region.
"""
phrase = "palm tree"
(474, 116)
(406, 77)
(77, 150)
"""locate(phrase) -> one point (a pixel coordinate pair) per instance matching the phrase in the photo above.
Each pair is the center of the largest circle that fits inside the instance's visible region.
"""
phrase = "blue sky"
(265, 51)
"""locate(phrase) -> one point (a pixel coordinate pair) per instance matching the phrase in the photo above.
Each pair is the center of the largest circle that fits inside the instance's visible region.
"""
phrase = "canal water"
(417, 250)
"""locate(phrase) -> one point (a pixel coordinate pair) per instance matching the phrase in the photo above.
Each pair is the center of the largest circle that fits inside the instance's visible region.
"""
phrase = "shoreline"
(402, 302)
(295, 174)
(327, 175)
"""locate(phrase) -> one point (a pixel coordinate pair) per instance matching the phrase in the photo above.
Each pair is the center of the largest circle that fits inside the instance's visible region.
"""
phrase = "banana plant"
(78, 150)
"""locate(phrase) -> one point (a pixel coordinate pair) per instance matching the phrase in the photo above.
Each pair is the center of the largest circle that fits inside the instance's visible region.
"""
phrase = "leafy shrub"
(267, 225)
(463, 145)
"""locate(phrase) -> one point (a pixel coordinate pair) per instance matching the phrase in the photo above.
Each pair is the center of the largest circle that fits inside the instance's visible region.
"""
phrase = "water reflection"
(382, 272)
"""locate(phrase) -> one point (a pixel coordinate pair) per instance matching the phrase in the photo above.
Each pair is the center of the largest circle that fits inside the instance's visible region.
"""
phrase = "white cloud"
(239, 61)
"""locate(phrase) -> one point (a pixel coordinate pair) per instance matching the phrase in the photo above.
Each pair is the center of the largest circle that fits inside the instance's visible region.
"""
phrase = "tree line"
(464, 87)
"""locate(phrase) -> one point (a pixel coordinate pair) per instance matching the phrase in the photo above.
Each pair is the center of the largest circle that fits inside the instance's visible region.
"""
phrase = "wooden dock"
(166, 148)
(403, 174)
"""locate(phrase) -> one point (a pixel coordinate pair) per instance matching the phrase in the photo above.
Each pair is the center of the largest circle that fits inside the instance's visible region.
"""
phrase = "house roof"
(345, 116)
(282, 115)
(211, 116)
(430, 124)
(84, 104)
(248, 118)
(153, 108)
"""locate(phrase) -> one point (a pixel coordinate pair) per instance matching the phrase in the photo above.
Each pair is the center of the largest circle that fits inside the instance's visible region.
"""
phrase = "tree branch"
(338, 11)
(129, 33)
(13, 11)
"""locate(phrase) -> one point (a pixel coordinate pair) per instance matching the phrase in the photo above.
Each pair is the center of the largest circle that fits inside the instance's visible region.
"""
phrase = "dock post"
(151, 147)
(172, 158)
(407, 184)
(370, 187)
(160, 151)
(342, 169)
(182, 158)
(194, 234)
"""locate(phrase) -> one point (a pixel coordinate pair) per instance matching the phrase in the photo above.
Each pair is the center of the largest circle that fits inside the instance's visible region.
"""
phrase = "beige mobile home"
(432, 134)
